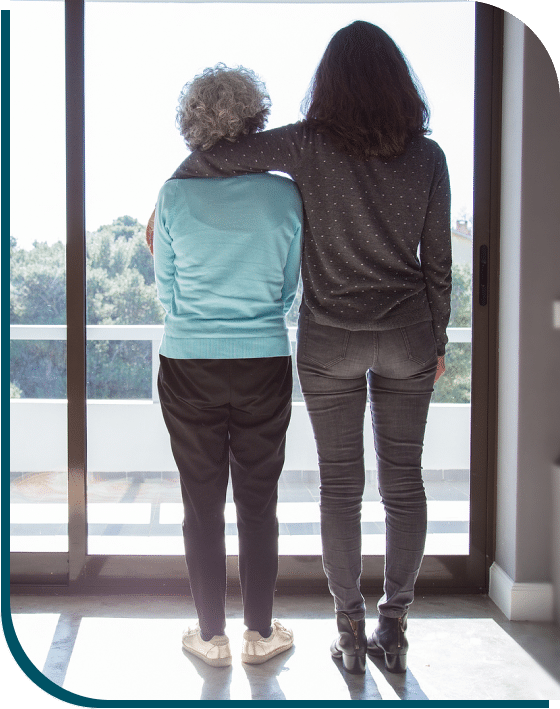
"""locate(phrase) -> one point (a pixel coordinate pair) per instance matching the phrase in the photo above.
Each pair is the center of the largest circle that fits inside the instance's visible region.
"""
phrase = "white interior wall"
(509, 295)
(522, 580)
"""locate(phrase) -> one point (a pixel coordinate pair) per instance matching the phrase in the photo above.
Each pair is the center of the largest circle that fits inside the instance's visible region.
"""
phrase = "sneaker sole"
(259, 659)
(213, 661)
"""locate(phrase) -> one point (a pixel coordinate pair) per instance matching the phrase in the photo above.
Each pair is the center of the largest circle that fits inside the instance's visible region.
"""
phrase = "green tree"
(120, 276)
(38, 284)
(37, 296)
(454, 387)
(120, 291)
(461, 296)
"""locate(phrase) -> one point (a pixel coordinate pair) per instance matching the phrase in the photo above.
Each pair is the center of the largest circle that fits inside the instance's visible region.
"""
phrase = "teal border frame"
(32, 672)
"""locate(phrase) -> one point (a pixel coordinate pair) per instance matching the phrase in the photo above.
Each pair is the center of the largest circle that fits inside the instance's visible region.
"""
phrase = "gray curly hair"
(221, 103)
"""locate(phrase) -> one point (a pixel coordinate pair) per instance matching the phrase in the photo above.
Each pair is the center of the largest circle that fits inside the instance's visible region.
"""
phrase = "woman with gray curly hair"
(227, 256)
(222, 103)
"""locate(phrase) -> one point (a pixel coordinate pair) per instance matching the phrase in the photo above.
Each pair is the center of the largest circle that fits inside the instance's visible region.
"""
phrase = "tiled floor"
(129, 648)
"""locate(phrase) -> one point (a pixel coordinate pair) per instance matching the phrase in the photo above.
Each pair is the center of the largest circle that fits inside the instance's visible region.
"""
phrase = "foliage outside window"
(121, 291)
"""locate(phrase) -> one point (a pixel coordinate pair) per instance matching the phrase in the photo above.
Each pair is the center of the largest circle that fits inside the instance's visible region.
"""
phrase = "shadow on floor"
(128, 647)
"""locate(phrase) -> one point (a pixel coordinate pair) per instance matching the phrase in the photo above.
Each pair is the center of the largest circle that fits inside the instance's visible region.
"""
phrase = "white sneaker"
(215, 652)
(257, 649)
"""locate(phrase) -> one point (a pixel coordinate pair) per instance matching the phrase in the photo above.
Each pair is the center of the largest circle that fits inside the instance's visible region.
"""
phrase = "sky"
(139, 55)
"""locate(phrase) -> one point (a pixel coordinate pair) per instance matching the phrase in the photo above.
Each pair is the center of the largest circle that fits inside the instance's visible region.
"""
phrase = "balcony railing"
(128, 443)
(151, 333)
(117, 428)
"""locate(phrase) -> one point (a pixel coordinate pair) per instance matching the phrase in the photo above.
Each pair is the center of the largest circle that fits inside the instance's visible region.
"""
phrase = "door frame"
(78, 571)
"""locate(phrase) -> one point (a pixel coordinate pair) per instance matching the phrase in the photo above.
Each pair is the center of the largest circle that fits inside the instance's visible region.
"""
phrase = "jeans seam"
(330, 363)
(409, 349)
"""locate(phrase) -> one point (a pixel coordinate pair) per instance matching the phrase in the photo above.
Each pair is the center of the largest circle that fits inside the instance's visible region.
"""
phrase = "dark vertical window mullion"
(493, 281)
(489, 21)
(76, 286)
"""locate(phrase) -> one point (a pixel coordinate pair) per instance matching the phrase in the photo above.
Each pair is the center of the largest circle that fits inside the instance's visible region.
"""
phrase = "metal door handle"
(483, 276)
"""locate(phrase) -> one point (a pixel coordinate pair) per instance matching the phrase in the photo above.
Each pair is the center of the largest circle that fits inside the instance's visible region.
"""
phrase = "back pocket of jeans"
(420, 342)
(321, 344)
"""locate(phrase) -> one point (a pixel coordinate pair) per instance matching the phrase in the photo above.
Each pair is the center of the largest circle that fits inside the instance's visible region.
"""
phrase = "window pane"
(38, 471)
(133, 79)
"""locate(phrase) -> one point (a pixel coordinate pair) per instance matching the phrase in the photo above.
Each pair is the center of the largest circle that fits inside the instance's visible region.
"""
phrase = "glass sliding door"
(134, 72)
(38, 407)
(126, 512)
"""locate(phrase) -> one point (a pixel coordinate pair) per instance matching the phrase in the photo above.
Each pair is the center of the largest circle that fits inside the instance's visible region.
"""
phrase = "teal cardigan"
(227, 256)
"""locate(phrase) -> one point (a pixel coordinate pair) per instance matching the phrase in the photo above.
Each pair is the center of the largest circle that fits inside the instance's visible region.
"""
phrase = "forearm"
(277, 149)
(435, 257)
(439, 300)
(150, 232)
(438, 291)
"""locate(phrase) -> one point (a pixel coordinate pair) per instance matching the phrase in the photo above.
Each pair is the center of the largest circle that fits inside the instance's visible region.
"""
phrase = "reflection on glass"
(38, 411)
(133, 79)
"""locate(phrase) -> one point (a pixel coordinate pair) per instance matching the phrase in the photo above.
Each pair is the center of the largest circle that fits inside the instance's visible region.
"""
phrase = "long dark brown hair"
(365, 96)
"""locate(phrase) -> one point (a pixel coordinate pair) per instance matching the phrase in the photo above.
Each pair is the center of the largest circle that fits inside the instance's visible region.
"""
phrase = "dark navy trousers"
(228, 415)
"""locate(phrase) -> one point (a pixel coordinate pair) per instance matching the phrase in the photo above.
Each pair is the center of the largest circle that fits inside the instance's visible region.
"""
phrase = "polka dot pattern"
(377, 237)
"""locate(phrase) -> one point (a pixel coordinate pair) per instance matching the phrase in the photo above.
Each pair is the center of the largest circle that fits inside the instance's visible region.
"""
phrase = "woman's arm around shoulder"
(278, 149)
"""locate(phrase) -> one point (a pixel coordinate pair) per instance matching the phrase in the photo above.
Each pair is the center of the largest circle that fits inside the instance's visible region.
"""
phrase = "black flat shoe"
(351, 644)
(389, 639)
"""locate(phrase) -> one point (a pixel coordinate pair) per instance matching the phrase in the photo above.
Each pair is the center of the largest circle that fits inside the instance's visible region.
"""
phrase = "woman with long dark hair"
(376, 274)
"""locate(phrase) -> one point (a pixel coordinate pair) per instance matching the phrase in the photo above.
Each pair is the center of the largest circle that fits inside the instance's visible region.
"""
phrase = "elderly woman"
(227, 256)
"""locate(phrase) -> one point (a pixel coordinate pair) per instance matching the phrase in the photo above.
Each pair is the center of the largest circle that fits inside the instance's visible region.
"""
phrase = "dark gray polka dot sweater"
(377, 236)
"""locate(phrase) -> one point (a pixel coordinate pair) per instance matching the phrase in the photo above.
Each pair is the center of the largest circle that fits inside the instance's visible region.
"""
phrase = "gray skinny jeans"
(336, 367)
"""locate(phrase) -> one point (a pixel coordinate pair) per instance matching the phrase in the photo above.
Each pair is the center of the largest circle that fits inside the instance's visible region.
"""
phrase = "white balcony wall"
(130, 435)
(127, 436)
